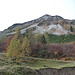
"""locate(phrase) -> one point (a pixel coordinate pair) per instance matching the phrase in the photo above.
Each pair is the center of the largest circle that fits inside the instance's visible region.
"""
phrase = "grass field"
(29, 66)
(49, 63)
(37, 63)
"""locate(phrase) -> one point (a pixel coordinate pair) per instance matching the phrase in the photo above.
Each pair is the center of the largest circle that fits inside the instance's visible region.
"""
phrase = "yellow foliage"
(26, 46)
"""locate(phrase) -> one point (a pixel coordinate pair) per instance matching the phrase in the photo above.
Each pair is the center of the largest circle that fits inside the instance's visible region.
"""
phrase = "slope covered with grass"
(30, 65)
(36, 63)
(61, 38)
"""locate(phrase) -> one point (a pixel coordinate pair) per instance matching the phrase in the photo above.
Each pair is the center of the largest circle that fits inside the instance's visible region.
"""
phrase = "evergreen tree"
(31, 36)
(71, 28)
(46, 35)
(43, 40)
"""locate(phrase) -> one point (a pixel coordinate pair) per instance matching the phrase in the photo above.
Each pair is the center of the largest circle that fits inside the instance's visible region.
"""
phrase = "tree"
(71, 28)
(8, 41)
(17, 34)
(31, 36)
(43, 40)
(15, 49)
(26, 46)
(46, 35)
(38, 37)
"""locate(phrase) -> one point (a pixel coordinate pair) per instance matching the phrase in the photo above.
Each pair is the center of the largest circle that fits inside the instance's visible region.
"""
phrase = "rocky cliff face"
(52, 71)
(45, 23)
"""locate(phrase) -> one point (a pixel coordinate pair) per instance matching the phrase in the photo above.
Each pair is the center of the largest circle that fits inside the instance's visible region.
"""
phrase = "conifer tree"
(38, 37)
(31, 37)
(17, 34)
(46, 35)
(43, 40)
(15, 49)
(71, 28)
(26, 46)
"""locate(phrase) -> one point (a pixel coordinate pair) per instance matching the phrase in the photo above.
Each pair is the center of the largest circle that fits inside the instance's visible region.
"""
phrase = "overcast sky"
(19, 11)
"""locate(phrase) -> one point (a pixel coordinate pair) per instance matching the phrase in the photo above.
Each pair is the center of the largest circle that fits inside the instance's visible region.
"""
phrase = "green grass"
(36, 63)
(7, 67)
(49, 63)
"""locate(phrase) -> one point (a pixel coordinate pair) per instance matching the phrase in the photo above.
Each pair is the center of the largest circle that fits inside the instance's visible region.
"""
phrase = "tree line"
(23, 45)
(18, 46)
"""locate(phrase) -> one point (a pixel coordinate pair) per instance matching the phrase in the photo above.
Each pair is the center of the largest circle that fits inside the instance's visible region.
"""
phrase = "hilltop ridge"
(44, 23)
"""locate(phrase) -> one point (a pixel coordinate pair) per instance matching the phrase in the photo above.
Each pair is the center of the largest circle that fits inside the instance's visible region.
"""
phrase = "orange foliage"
(8, 42)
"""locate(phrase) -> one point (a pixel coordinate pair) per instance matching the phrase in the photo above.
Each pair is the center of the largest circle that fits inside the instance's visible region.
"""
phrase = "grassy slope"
(37, 63)
(28, 67)
(61, 38)
(49, 63)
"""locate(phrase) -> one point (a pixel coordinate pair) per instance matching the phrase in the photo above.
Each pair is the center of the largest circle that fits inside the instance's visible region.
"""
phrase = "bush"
(42, 53)
(36, 49)
(60, 50)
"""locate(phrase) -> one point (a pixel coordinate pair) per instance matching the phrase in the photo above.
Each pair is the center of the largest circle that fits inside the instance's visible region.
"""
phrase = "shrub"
(42, 53)
(60, 50)
(36, 49)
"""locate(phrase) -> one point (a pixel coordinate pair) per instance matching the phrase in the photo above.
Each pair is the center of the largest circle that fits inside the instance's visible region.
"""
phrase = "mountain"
(47, 23)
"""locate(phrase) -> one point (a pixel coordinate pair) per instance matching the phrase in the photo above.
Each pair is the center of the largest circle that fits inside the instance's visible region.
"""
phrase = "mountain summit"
(47, 23)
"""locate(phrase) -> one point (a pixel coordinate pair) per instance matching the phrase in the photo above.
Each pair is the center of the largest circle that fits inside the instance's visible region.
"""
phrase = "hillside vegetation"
(61, 38)
(28, 53)
(29, 65)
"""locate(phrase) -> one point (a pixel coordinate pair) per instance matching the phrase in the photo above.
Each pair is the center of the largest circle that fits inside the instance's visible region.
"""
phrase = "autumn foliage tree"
(38, 38)
(26, 46)
(37, 45)
(15, 48)
(17, 34)
(8, 41)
